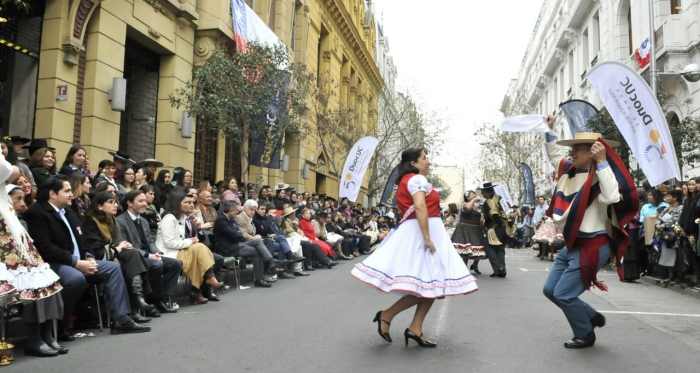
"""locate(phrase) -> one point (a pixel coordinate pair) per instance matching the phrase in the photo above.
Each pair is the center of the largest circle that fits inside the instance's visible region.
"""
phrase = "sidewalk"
(690, 291)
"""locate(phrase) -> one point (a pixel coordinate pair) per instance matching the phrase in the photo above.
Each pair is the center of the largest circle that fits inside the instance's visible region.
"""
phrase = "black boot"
(136, 316)
(137, 300)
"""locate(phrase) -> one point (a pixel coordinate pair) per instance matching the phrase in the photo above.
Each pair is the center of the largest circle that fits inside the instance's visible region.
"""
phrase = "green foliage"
(439, 183)
(686, 140)
(232, 92)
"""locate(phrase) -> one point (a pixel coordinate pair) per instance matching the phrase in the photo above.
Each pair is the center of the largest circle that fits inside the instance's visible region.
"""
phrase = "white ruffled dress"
(402, 265)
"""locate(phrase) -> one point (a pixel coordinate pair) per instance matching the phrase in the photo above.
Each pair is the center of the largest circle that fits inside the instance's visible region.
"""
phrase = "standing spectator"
(162, 190)
(106, 174)
(669, 218)
(122, 161)
(151, 165)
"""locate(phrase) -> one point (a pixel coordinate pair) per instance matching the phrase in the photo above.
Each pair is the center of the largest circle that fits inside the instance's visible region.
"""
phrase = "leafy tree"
(235, 92)
(403, 122)
(439, 183)
(19, 4)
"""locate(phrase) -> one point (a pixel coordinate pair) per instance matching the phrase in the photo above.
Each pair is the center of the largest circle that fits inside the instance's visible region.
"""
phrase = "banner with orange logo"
(355, 167)
(639, 118)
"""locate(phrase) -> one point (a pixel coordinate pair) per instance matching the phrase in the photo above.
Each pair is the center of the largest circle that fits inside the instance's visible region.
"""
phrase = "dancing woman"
(418, 259)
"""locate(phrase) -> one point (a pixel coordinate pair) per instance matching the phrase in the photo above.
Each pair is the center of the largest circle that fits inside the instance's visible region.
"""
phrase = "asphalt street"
(323, 323)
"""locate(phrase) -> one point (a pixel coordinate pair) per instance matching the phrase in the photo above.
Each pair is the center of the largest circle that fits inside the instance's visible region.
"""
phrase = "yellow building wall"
(166, 27)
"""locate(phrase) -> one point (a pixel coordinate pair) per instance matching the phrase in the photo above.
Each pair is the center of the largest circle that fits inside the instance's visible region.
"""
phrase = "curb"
(685, 291)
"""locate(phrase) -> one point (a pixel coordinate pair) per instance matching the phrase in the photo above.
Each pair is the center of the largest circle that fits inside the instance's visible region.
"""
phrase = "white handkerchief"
(525, 123)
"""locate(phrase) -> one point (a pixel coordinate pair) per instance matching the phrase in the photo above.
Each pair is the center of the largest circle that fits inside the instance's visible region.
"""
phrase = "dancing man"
(594, 199)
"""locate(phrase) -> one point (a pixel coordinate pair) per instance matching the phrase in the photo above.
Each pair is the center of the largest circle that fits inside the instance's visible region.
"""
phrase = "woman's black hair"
(173, 204)
(71, 152)
(160, 180)
(405, 167)
(11, 154)
(147, 188)
(467, 194)
(677, 194)
(177, 176)
(656, 195)
(453, 209)
(98, 200)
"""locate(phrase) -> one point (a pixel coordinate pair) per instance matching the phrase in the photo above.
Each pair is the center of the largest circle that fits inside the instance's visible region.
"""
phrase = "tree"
(402, 123)
(502, 152)
(337, 128)
(684, 134)
(237, 94)
(439, 183)
(19, 4)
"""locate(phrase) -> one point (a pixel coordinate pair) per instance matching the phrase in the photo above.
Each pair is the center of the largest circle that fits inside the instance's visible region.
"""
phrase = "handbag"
(669, 237)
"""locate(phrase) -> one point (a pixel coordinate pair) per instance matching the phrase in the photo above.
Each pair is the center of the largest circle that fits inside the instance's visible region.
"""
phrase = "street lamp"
(691, 73)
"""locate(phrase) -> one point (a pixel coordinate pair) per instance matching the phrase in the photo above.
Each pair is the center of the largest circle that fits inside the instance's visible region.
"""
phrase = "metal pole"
(652, 49)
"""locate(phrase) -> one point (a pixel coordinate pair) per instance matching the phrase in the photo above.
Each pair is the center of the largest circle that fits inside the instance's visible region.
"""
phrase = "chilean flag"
(643, 54)
(247, 26)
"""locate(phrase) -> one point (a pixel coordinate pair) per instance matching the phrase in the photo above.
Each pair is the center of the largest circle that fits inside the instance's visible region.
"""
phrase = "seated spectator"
(281, 197)
(229, 192)
(164, 272)
(24, 183)
(58, 237)
(75, 161)
(80, 187)
(245, 224)
(162, 190)
(331, 239)
(17, 198)
(142, 176)
(231, 241)
(266, 227)
(125, 182)
(347, 242)
(351, 230)
(310, 249)
(308, 229)
(105, 174)
(102, 236)
(176, 240)
(23, 270)
(152, 214)
(8, 150)
(42, 164)
(205, 212)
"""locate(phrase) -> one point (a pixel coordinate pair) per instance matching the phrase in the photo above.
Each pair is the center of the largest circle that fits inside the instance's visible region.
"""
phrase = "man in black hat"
(496, 221)
(121, 160)
(36, 144)
(18, 142)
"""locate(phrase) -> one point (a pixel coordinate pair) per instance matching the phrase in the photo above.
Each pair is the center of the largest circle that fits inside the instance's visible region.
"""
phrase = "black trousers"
(163, 277)
(308, 249)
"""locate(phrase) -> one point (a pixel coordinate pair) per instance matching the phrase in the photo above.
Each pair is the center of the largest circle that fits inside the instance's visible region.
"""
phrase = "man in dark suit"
(57, 236)
(164, 272)
(230, 241)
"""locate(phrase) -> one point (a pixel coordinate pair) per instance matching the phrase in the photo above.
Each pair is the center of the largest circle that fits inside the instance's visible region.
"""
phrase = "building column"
(175, 71)
(104, 61)
(54, 119)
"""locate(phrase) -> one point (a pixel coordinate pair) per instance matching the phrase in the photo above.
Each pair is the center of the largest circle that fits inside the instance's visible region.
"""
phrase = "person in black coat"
(265, 226)
(230, 241)
(58, 237)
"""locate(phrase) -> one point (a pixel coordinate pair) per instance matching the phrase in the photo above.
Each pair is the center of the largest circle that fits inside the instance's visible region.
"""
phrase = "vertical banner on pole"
(528, 185)
(389, 194)
(356, 165)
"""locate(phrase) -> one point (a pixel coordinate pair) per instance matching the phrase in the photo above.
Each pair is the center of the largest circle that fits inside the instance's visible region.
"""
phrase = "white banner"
(506, 200)
(639, 117)
(355, 167)
(548, 169)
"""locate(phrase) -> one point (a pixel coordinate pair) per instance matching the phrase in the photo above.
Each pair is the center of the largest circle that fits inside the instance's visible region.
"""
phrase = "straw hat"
(587, 138)
(288, 211)
(152, 161)
(282, 186)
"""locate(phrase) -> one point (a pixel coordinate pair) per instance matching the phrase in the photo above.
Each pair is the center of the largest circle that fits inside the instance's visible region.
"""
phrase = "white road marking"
(524, 269)
(653, 313)
(441, 316)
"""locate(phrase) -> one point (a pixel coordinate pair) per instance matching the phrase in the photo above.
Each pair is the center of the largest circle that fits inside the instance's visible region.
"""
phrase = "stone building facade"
(571, 36)
(154, 44)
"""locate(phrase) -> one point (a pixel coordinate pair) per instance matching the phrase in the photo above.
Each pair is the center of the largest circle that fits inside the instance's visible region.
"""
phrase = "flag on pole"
(643, 53)
(247, 26)
(639, 118)
(389, 194)
(577, 113)
(356, 164)
(528, 185)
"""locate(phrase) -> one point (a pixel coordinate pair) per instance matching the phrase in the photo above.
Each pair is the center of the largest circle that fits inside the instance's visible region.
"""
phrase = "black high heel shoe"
(418, 338)
(475, 269)
(379, 321)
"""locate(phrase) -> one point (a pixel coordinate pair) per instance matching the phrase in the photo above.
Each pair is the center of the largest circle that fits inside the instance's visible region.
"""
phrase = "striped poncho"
(588, 204)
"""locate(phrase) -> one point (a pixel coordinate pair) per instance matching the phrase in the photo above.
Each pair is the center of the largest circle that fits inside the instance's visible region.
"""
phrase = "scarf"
(619, 214)
(105, 230)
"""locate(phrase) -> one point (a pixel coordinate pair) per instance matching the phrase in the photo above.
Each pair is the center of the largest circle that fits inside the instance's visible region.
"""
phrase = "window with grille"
(232, 165)
(206, 143)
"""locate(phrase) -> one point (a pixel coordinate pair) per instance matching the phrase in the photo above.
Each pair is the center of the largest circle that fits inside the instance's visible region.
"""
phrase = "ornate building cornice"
(346, 27)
